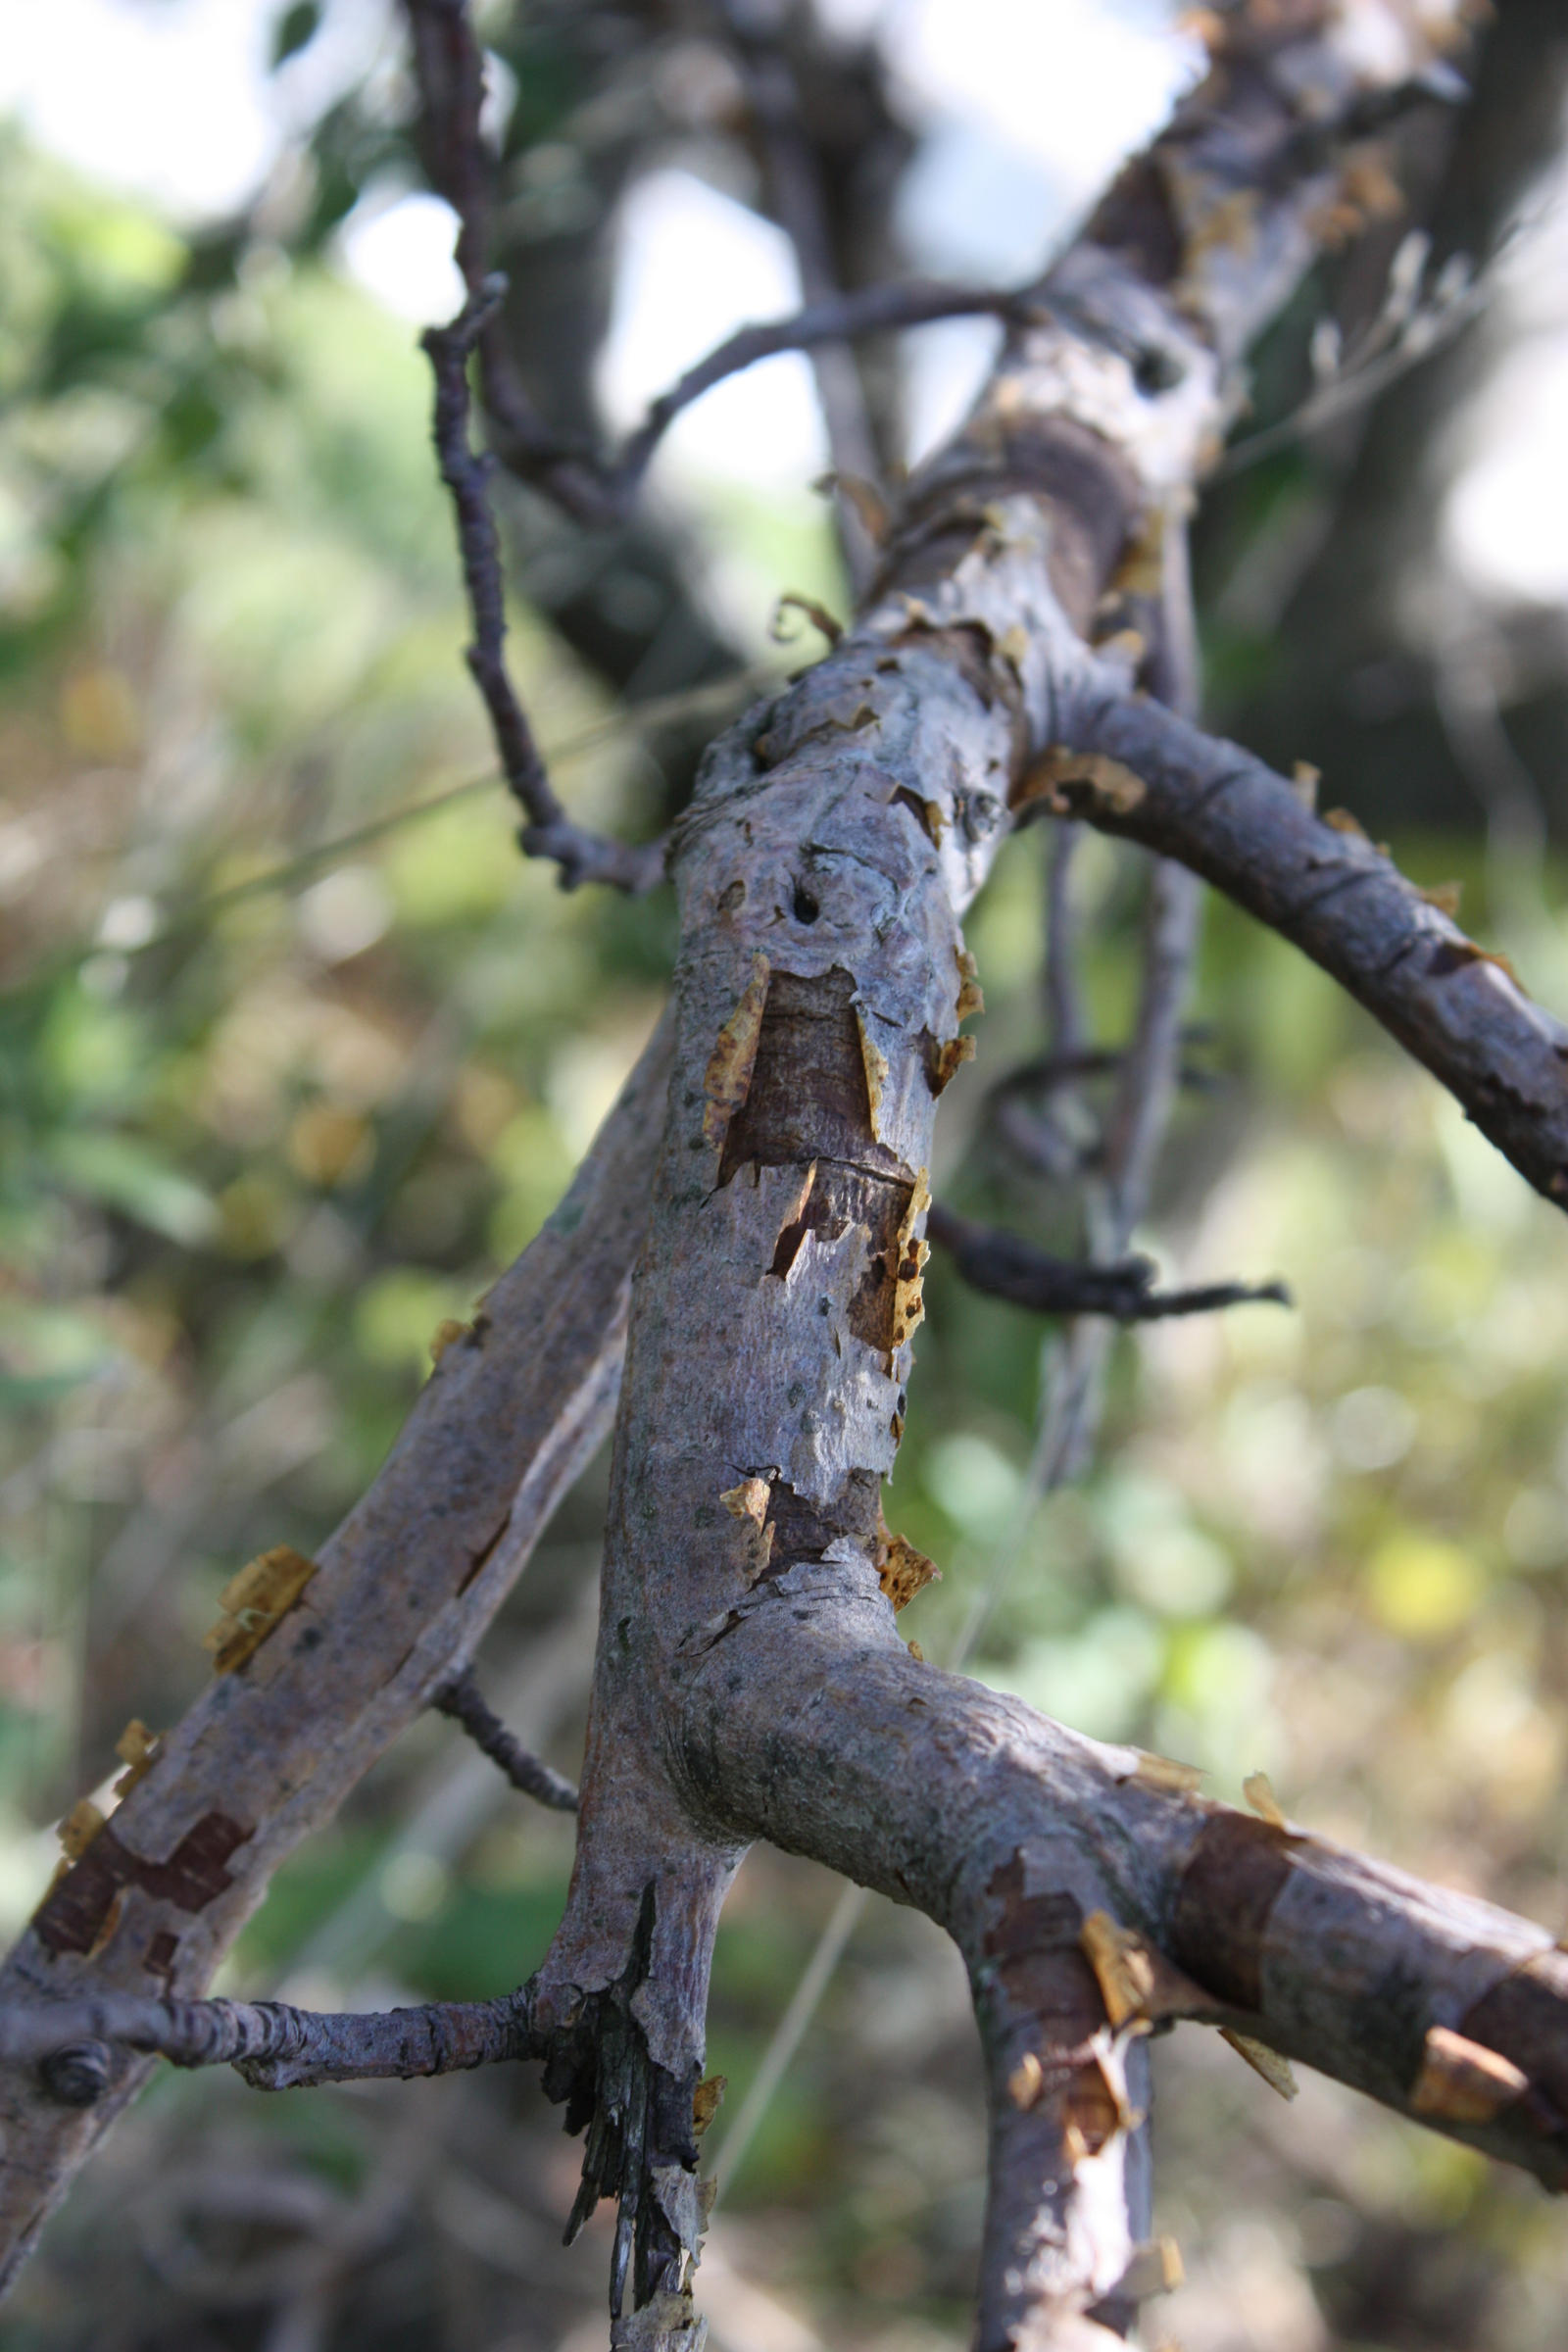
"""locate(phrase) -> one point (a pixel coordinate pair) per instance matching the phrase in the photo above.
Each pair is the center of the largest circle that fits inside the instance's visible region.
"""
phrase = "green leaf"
(295, 28)
(123, 1174)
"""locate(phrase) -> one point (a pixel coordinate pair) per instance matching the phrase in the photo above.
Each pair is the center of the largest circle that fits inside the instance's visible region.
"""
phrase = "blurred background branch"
(252, 1162)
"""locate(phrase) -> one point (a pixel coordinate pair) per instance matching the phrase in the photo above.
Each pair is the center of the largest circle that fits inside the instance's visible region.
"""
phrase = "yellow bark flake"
(706, 2100)
(908, 1302)
(901, 1571)
(1258, 1790)
(1341, 822)
(1051, 779)
(950, 1057)
(138, 1749)
(1304, 782)
(1163, 1772)
(728, 1077)
(253, 1602)
(1123, 1966)
(1462, 2081)
(1275, 2069)
(874, 1062)
(445, 1334)
(1445, 897)
(79, 1828)
(1013, 645)
(971, 997)
(747, 1500)
(1027, 2082)
(916, 1653)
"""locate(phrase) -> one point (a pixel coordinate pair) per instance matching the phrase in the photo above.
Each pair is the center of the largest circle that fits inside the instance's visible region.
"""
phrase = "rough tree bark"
(750, 1679)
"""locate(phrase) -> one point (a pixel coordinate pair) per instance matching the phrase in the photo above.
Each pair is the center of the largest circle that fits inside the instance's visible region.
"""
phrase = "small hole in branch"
(803, 906)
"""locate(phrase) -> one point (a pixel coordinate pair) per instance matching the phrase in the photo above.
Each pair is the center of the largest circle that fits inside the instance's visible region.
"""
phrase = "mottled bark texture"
(749, 1678)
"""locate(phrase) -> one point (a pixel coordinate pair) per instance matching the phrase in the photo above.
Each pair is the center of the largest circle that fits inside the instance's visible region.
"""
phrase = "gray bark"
(750, 1679)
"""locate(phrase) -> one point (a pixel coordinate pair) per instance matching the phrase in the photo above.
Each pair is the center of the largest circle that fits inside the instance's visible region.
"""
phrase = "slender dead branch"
(1339, 897)
(1004, 1266)
(272, 2044)
(833, 318)
(462, 1699)
(549, 832)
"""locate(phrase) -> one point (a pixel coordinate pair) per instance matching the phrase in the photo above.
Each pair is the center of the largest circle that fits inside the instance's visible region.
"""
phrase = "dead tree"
(740, 1257)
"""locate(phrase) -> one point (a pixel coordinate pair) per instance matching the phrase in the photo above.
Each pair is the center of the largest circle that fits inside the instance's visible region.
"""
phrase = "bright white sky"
(1026, 106)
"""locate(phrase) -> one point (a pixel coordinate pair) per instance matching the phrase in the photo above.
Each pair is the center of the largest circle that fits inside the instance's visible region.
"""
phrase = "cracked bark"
(750, 1679)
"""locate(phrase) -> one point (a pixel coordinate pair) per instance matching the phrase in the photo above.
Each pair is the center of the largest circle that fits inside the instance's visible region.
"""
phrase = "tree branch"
(271, 2044)
(1322, 884)
(1004, 1266)
(582, 857)
(462, 1699)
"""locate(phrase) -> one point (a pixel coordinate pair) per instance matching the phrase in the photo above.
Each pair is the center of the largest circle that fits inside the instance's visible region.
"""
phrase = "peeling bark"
(750, 1681)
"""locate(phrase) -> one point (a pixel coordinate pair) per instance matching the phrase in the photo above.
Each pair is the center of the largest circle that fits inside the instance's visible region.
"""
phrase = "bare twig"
(549, 832)
(462, 1699)
(1004, 1266)
(831, 319)
(275, 2045)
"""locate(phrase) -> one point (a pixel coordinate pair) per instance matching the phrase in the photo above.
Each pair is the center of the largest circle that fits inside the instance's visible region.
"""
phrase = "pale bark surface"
(749, 1678)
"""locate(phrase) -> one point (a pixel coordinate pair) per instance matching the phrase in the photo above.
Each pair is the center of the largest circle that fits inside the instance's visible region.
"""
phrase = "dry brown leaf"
(1275, 2069)
(1163, 1772)
(1123, 1967)
(1258, 1790)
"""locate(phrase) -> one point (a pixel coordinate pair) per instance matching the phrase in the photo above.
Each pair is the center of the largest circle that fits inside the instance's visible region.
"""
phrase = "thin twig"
(835, 318)
(274, 2044)
(462, 1699)
(1006, 1266)
(549, 832)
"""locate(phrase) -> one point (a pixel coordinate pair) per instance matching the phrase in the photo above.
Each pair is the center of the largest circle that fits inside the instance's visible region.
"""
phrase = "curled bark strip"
(462, 1699)
(1341, 899)
(1006, 1267)
(402, 1595)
